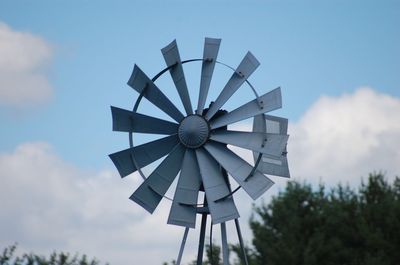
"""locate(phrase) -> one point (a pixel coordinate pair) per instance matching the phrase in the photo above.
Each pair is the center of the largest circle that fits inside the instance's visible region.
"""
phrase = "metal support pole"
(201, 240)
(242, 247)
(211, 242)
(202, 233)
(225, 250)
(178, 261)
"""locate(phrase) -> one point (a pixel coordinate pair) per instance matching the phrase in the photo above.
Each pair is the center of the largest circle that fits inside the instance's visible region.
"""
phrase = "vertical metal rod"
(201, 240)
(225, 250)
(242, 247)
(178, 261)
(211, 243)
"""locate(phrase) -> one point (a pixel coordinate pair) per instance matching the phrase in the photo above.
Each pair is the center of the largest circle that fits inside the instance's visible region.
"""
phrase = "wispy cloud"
(24, 59)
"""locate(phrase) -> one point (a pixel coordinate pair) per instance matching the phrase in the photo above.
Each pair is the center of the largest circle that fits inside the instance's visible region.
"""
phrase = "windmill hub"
(193, 131)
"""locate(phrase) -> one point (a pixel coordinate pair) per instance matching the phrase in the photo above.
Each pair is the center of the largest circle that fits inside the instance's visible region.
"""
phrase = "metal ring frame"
(136, 106)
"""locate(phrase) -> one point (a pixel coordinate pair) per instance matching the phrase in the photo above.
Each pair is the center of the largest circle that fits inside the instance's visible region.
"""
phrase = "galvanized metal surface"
(202, 236)
(246, 67)
(142, 83)
(225, 248)
(215, 188)
(183, 209)
(202, 157)
(241, 243)
(159, 181)
(266, 143)
(269, 102)
(182, 248)
(172, 58)
(129, 121)
(145, 154)
(214, 182)
(270, 164)
(210, 53)
(239, 170)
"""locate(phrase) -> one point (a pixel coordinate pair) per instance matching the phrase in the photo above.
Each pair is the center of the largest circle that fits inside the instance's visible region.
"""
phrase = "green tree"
(8, 258)
(250, 254)
(213, 255)
(303, 225)
(342, 226)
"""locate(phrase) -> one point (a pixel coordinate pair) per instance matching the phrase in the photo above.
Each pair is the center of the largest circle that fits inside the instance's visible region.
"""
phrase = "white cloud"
(338, 139)
(345, 138)
(342, 139)
(48, 204)
(23, 61)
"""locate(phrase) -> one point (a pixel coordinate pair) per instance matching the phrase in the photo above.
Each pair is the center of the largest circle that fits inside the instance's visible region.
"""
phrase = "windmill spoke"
(247, 66)
(215, 188)
(142, 84)
(239, 170)
(265, 103)
(210, 52)
(150, 193)
(129, 121)
(173, 60)
(183, 209)
(144, 154)
(266, 143)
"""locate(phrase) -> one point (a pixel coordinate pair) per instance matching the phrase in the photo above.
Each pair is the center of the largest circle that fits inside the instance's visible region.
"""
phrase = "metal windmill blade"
(194, 147)
(272, 164)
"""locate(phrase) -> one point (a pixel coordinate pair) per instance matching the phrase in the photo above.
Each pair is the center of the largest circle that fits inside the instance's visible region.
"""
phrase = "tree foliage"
(8, 258)
(249, 252)
(213, 254)
(301, 226)
(306, 226)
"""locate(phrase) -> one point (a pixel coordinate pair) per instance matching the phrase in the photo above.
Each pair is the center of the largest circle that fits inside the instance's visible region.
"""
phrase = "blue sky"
(308, 48)
(339, 54)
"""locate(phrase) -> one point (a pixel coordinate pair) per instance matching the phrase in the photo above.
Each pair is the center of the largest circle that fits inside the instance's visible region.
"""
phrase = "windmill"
(195, 145)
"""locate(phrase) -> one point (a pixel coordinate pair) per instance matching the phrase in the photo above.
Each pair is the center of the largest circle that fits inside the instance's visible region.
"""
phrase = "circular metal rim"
(136, 106)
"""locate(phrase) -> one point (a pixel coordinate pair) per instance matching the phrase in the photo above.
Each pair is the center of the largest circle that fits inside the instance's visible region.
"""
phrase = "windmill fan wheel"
(195, 143)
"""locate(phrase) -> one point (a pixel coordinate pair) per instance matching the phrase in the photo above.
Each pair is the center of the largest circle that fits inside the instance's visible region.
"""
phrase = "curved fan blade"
(210, 52)
(266, 143)
(239, 170)
(273, 165)
(213, 179)
(129, 121)
(144, 154)
(172, 58)
(248, 65)
(223, 210)
(143, 84)
(265, 103)
(183, 210)
(272, 124)
(216, 188)
(150, 193)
